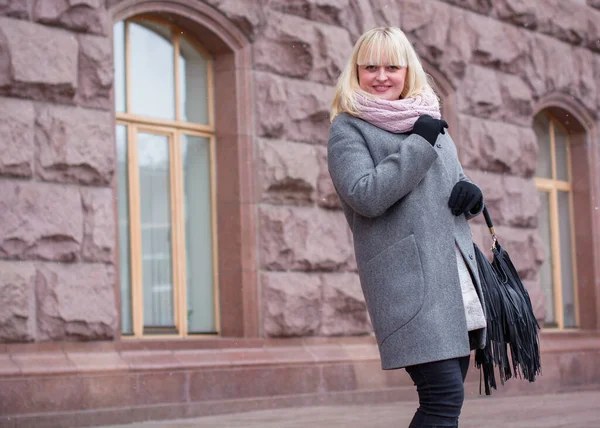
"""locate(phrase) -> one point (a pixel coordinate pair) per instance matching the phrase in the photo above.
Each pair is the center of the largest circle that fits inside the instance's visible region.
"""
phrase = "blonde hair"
(381, 44)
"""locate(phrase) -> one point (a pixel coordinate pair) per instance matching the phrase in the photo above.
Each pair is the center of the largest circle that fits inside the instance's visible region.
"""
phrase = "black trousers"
(440, 385)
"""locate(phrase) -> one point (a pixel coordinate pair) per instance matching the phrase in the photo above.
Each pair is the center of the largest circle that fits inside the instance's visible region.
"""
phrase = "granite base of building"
(78, 384)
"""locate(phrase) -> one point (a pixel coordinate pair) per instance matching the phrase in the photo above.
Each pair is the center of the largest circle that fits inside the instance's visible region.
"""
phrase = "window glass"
(119, 50)
(152, 70)
(193, 90)
(566, 258)
(155, 212)
(198, 233)
(546, 280)
(123, 204)
(541, 126)
(562, 160)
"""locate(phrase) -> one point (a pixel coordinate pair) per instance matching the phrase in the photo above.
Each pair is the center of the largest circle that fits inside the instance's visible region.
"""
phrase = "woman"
(407, 202)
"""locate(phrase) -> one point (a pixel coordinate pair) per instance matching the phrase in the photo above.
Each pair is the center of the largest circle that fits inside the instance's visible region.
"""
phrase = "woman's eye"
(393, 68)
(370, 68)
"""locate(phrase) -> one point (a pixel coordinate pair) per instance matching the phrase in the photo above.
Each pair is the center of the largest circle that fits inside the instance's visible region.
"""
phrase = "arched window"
(165, 140)
(554, 178)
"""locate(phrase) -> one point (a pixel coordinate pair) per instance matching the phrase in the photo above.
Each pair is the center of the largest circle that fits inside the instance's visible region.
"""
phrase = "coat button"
(439, 145)
(471, 256)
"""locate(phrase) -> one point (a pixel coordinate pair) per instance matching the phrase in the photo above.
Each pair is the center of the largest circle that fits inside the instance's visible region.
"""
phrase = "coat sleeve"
(368, 188)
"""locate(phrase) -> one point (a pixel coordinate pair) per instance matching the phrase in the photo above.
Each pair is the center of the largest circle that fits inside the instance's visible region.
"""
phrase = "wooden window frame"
(173, 129)
(239, 292)
(552, 186)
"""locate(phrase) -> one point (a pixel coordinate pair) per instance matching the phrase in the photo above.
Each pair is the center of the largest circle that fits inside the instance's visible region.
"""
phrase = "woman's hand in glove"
(465, 198)
(429, 128)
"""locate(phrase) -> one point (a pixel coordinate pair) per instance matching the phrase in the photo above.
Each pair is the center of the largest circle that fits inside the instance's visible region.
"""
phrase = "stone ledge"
(33, 359)
(24, 363)
(574, 340)
(111, 385)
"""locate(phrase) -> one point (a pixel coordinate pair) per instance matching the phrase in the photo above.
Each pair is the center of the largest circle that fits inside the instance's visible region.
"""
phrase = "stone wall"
(57, 160)
(57, 163)
(498, 57)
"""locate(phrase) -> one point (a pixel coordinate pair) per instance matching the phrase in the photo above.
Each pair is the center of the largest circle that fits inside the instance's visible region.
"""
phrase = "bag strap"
(490, 225)
(488, 219)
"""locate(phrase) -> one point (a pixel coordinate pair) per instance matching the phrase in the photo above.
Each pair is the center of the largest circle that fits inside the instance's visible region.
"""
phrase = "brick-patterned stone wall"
(57, 165)
(500, 57)
(57, 162)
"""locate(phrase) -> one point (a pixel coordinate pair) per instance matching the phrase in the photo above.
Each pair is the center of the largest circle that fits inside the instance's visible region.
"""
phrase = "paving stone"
(573, 410)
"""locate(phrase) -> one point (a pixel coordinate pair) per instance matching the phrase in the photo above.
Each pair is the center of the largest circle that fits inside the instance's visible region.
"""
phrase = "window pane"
(152, 70)
(541, 126)
(560, 142)
(123, 204)
(119, 49)
(546, 280)
(198, 233)
(566, 259)
(193, 92)
(155, 213)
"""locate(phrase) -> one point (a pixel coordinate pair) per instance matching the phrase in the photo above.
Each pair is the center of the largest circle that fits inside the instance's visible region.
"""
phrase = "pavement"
(572, 410)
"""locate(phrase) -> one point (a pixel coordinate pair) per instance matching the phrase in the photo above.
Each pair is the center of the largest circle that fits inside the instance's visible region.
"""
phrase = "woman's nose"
(381, 74)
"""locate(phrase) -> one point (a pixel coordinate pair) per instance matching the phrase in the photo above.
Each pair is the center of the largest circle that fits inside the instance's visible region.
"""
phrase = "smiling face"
(382, 65)
(383, 81)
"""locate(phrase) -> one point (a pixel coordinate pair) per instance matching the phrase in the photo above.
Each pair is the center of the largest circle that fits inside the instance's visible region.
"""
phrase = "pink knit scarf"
(397, 116)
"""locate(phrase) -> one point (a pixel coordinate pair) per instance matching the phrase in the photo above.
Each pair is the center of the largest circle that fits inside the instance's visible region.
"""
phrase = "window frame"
(173, 129)
(552, 186)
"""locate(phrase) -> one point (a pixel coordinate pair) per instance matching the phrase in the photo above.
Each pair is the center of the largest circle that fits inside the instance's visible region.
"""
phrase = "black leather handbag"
(511, 324)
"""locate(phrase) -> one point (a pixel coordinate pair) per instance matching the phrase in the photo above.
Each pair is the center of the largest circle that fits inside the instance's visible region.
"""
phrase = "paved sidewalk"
(572, 410)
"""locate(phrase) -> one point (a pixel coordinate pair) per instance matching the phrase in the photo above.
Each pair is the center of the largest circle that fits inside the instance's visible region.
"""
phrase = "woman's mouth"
(381, 88)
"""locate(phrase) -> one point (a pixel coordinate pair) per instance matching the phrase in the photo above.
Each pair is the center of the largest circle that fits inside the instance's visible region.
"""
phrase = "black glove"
(429, 128)
(465, 198)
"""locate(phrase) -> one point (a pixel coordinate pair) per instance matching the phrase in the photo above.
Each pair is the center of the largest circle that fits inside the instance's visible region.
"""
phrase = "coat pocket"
(393, 286)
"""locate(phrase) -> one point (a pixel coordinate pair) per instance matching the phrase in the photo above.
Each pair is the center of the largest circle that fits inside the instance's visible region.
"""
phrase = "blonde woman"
(407, 202)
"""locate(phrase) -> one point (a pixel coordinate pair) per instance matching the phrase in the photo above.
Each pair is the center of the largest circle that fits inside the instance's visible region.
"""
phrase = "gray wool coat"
(394, 190)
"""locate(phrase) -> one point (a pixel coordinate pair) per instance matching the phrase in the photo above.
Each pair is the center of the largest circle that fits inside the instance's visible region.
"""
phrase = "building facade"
(170, 242)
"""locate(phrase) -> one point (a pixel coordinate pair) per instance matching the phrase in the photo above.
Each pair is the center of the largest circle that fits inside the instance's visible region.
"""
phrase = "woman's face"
(383, 81)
